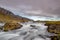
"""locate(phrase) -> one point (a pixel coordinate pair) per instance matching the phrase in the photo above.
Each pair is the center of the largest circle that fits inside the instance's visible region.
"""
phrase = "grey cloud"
(48, 7)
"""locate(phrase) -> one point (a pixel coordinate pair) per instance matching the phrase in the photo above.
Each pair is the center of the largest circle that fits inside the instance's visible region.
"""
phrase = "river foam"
(29, 31)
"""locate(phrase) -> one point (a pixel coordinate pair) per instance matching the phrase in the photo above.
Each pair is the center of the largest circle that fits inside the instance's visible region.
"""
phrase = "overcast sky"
(34, 9)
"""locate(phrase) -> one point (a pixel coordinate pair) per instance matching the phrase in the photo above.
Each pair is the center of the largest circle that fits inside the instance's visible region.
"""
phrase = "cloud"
(44, 8)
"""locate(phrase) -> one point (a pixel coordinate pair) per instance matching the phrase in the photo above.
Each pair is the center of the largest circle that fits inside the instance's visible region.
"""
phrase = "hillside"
(11, 20)
(7, 16)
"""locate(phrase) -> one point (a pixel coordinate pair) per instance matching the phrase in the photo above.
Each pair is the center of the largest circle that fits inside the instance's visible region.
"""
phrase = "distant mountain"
(8, 16)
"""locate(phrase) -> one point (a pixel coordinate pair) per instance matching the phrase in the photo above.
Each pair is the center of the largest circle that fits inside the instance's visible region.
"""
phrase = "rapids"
(29, 31)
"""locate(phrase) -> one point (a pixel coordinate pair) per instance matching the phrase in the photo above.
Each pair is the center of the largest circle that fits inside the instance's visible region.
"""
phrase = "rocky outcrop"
(11, 26)
(54, 28)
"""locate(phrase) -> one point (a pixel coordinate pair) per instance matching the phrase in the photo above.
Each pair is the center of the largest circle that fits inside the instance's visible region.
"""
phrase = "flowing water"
(29, 31)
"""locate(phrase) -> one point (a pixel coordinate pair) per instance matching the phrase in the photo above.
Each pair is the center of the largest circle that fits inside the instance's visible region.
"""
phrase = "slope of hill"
(7, 16)
(11, 20)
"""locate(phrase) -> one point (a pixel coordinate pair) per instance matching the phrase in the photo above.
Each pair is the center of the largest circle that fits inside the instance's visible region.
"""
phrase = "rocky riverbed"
(29, 31)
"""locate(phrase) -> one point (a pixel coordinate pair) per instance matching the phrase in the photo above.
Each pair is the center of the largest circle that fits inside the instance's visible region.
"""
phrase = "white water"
(2, 24)
(39, 32)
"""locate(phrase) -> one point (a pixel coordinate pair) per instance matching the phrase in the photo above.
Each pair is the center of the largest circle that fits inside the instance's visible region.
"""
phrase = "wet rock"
(11, 26)
(54, 28)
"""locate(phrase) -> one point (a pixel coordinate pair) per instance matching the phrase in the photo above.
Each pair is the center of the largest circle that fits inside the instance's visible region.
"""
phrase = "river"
(29, 31)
